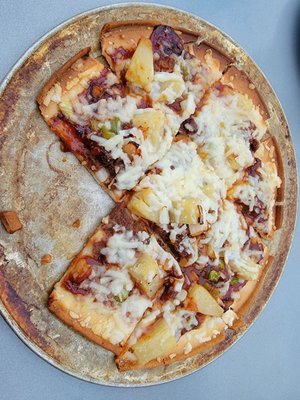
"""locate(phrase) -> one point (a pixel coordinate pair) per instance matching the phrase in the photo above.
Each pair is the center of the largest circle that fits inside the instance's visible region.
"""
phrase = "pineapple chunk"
(204, 301)
(159, 341)
(246, 268)
(145, 272)
(140, 205)
(186, 211)
(171, 86)
(233, 163)
(141, 70)
(151, 122)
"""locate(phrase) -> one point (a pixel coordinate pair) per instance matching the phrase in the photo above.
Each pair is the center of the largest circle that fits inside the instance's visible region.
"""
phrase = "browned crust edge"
(123, 365)
(62, 313)
(279, 208)
(147, 23)
(277, 213)
(241, 83)
(55, 77)
(242, 311)
(187, 37)
(58, 74)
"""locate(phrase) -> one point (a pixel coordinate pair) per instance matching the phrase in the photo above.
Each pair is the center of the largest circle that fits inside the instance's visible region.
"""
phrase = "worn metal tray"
(50, 190)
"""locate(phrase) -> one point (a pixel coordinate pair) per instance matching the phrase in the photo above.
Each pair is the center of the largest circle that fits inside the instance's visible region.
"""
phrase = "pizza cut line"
(179, 139)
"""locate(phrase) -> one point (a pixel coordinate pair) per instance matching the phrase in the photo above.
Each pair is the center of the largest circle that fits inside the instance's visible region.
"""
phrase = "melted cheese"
(184, 175)
(227, 239)
(180, 320)
(123, 245)
(105, 321)
(223, 134)
(261, 188)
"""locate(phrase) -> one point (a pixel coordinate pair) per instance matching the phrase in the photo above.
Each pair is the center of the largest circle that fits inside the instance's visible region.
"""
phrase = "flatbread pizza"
(178, 136)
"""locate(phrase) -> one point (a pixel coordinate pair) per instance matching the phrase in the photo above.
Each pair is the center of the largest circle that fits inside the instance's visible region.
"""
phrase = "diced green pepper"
(115, 125)
(234, 281)
(185, 72)
(221, 264)
(214, 276)
(106, 133)
(122, 296)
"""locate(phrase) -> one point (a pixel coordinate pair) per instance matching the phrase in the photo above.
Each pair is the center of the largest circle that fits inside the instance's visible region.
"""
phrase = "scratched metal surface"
(50, 190)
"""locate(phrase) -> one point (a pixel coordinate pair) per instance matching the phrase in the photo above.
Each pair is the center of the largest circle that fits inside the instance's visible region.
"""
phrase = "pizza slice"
(180, 194)
(230, 130)
(115, 278)
(114, 132)
(227, 130)
(215, 288)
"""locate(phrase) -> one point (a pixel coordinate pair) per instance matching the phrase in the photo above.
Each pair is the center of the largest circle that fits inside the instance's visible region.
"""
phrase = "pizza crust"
(57, 75)
(58, 308)
(127, 34)
(63, 76)
(239, 81)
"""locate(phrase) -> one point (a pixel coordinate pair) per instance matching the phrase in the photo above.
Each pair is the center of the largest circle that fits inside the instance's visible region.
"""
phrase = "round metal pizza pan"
(49, 190)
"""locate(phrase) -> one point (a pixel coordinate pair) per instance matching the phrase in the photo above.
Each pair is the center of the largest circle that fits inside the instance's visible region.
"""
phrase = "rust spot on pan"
(19, 311)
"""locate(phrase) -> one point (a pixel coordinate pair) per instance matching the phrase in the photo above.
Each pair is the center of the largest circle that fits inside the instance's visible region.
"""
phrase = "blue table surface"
(265, 363)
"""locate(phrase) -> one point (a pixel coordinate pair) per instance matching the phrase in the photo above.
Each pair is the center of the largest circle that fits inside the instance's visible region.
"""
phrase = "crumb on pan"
(46, 259)
(76, 223)
(11, 221)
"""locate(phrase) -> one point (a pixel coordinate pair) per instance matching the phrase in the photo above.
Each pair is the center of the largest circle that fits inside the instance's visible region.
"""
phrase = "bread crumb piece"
(46, 259)
(105, 220)
(172, 355)
(251, 86)
(187, 348)
(73, 315)
(10, 221)
(76, 224)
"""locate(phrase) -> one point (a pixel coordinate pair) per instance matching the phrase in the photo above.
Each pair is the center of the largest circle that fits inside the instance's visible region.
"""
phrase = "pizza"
(179, 138)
